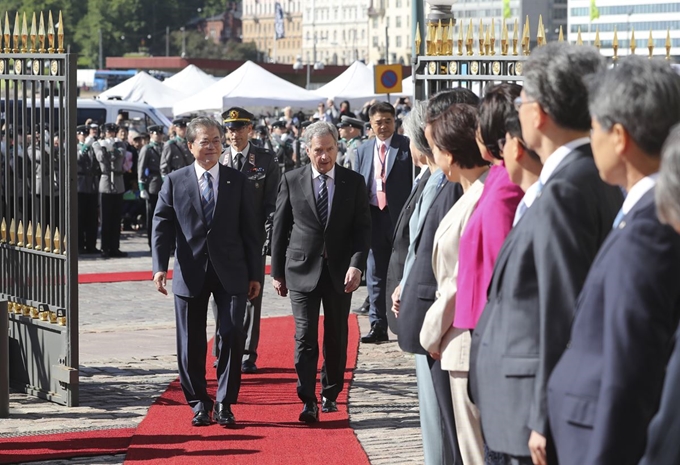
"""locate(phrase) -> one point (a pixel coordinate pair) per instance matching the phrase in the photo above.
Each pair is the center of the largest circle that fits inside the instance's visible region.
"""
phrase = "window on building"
(387, 21)
(375, 41)
(363, 34)
(397, 21)
(375, 23)
(398, 41)
(398, 3)
(335, 36)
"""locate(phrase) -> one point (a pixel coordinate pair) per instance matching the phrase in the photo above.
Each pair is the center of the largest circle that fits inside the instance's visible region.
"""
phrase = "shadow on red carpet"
(268, 430)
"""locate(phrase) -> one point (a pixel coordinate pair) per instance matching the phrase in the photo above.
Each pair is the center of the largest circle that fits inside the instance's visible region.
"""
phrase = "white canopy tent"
(144, 88)
(356, 85)
(190, 80)
(252, 87)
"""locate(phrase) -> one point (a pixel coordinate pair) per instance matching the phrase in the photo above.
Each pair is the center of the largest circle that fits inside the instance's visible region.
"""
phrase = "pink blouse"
(481, 241)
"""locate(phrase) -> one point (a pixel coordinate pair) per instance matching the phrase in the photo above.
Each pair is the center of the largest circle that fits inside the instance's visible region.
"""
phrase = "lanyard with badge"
(380, 183)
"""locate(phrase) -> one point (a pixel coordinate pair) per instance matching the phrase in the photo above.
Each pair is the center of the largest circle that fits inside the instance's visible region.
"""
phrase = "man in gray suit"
(543, 264)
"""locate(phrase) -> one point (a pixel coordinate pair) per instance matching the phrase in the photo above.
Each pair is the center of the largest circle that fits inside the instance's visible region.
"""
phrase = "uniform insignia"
(251, 158)
(233, 114)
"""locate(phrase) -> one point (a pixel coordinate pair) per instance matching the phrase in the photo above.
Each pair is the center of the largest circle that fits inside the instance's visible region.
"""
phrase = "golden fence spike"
(38, 238)
(449, 38)
(650, 44)
(579, 39)
(48, 240)
(16, 34)
(668, 44)
(50, 33)
(526, 38)
(461, 39)
(560, 38)
(418, 39)
(60, 35)
(597, 42)
(12, 232)
(41, 34)
(487, 42)
(615, 45)
(469, 40)
(29, 235)
(492, 39)
(24, 35)
(57, 241)
(545, 39)
(480, 35)
(3, 231)
(34, 34)
(7, 34)
(515, 37)
(428, 40)
(504, 38)
(540, 38)
(633, 44)
(438, 39)
(20, 234)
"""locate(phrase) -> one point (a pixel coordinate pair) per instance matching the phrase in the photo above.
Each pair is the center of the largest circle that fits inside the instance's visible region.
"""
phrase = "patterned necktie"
(239, 161)
(382, 198)
(208, 198)
(322, 200)
(618, 219)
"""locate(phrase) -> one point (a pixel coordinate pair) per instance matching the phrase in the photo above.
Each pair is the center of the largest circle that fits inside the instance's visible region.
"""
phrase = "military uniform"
(349, 155)
(283, 148)
(111, 155)
(176, 152)
(88, 194)
(149, 175)
(260, 167)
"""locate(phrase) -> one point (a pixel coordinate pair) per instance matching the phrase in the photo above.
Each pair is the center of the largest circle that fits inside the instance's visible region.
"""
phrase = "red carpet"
(125, 276)
(268, 430)
(59, 446)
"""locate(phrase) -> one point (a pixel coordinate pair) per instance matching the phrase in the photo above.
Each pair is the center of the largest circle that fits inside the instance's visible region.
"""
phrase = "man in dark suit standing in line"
(205, 210)
(319, 247)
(541, 268)
(387, 169)
(664, 430)
(607, 385)
(263, 173)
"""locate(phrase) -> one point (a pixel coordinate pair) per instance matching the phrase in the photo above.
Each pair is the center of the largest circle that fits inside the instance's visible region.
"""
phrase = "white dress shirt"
(638, 191)
(214, 172)
(528, 199)
(234, 157)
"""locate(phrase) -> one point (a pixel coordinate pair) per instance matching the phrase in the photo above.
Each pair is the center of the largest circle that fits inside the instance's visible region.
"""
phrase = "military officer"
(260, 166)
(111, 156)
(88, 192)
(283, 145)
(176, 152)
(351, 133)
(149, 173)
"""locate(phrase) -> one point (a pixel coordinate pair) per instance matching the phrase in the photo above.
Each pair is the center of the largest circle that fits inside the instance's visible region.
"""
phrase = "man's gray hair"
(414, 128)
(201, 122)
(320, 129)
(668, 186)
(554, 77)
(640, 94)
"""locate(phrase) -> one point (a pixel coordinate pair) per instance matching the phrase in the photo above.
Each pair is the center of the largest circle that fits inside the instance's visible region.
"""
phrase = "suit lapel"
(392, 154)
(340, 189)
(367, 161)
(223, 191)
(193, 190)
(306, 185)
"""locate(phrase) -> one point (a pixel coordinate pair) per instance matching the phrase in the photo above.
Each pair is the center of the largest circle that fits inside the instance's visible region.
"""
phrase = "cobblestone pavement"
(128, 357)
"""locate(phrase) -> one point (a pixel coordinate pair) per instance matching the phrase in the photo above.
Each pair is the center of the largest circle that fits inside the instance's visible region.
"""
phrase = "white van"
(139, 116)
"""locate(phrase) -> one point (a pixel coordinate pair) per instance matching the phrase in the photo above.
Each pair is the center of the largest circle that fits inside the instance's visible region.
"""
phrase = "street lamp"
(184, 42)
(298, 66)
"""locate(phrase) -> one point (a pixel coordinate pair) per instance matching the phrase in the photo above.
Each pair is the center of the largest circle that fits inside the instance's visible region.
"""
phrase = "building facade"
(627, 17)
(390, 35)
(258, 26)
(335, 32)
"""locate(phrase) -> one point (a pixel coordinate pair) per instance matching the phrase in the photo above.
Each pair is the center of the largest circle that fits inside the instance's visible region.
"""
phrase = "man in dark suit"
(205, 210)
(319, 247)
(263, 173)
(607, 385)
(544, 261)
(664, 430)
(387, 169)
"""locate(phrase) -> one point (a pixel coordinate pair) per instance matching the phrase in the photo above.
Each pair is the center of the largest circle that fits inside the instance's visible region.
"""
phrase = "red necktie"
(382, 198)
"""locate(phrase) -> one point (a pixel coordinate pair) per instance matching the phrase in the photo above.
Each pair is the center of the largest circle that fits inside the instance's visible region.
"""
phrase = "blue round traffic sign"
(388, 79)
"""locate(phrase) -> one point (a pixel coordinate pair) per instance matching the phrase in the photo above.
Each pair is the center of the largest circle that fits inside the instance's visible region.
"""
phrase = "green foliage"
(131, 26)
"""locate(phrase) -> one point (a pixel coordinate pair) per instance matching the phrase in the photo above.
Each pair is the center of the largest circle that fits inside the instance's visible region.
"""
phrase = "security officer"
(111, 156)
(176, 152)
(260, 166)
(283, 145)
(351, 133)
(88, 192)
(149, 173)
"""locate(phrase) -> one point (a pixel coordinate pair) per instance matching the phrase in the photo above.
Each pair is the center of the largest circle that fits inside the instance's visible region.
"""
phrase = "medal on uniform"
(251, 159)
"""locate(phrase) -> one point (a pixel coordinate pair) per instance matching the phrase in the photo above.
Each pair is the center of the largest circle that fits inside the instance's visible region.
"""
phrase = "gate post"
(4, 360)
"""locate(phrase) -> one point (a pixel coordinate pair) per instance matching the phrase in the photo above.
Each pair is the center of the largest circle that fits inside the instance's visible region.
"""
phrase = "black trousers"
(442, 390)
(306, 306)
(111, 211)
(191, 316)
(88, 220)
(377, 264)
(150, 209)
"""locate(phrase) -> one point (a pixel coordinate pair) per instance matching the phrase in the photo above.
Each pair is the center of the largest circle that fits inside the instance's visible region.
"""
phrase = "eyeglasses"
(519, 102)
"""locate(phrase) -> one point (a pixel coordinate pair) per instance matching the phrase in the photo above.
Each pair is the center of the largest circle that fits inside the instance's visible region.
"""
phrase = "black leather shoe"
(328, 406)
(310, 413)
(248, 367)
(375, 335)
(105, 254)
(201, 418)
(95, 250)
(223, 415)
(118, 253)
